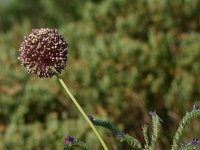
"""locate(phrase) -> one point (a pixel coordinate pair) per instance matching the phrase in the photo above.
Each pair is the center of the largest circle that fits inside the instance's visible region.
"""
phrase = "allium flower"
(43, 49)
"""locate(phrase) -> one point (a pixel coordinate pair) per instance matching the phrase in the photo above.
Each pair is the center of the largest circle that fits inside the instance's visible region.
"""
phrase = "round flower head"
(42, 50)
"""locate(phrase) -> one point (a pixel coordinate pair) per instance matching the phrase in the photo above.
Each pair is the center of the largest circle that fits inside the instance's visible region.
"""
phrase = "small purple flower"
(43, 49)
(69, 139)
(152, 113)
(91, 118)
(120, 134)
(195, 141)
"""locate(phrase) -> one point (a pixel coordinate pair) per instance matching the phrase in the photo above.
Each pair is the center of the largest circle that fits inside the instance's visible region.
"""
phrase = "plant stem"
(81, 110)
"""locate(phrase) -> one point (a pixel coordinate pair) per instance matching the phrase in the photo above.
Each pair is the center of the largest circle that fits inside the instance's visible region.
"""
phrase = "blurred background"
(126, 58)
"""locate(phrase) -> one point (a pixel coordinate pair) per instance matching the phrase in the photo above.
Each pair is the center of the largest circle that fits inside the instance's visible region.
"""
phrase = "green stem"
(81, 110)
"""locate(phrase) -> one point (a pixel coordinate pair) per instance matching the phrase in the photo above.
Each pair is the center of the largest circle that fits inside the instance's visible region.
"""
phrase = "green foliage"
(131, 141)
(106, 124)
(155, 133)
(156, 124)
(125, 57)
(77, 143)
(146, 138)
(186, 119)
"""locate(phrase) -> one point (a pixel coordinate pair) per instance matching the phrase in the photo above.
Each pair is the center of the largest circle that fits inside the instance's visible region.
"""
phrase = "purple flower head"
(69, 139)
(43, 49)
(195, 141)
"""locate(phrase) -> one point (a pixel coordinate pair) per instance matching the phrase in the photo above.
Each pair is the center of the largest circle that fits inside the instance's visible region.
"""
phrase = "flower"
(69, 139)
(120, 134)
(43, 50)
(153, 113)
(195, 141)
(91, 118)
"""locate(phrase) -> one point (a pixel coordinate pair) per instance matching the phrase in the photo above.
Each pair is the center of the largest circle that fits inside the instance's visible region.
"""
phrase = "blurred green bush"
(126, 57)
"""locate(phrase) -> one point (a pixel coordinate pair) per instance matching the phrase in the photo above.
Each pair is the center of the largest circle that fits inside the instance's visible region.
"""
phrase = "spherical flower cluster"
(43, 50)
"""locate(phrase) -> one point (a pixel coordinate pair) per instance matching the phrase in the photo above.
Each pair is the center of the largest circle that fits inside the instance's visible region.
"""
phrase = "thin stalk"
(81, 110)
